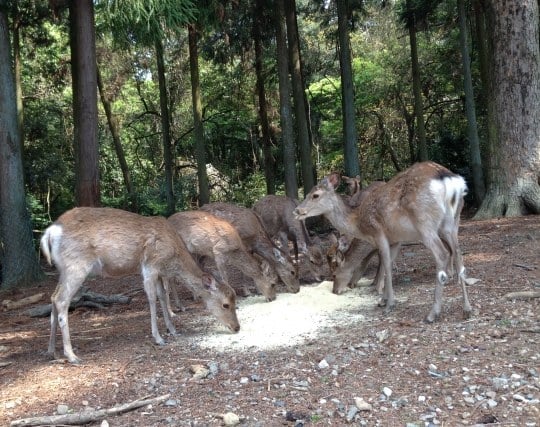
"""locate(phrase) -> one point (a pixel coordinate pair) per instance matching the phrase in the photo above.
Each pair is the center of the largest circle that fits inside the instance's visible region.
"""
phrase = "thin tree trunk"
(350, 136)
(302, 121)
(17, 68)
(417, 93)
(269, 162)
(200, 146)
(115, 133)
(515, 86)
(285, 107)
(486, 98)
(84, 81)
(165, 130)
(472, 127)
(17, 256)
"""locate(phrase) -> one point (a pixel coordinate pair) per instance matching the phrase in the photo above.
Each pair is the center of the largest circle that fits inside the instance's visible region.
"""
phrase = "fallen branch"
(84, 298)
(12, 305)
(86, 417)
(523, 295)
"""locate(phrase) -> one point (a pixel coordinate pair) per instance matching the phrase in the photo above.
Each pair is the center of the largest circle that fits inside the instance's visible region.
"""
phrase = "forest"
(159, 106)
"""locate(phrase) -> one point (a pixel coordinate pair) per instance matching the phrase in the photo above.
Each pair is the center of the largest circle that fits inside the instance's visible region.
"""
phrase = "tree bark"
(302, 120)
(285, 107)
(165, 129)
(84, 81)
(269, 162)
(200, 146)
(515, 86)
(350, 136)
(422, 152)
(472, 126)
(18, 259)
(115, 133)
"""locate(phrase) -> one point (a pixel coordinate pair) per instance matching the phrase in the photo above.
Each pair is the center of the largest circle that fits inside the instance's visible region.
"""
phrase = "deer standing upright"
(422, 203)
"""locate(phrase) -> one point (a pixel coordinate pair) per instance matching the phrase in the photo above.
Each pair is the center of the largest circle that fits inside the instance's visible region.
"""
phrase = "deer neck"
(342, 218)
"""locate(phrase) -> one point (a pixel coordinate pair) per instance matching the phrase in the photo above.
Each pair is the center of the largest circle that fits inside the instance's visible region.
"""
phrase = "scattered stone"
(351, 413)
(199, 371)
(231, 419)
(214, 368)
(104, 423)
(387, 391)
(244, 380)
(171, 402)
(256, 378)
(62, 409)
(382, 335)
(323, 364)
(362, 405)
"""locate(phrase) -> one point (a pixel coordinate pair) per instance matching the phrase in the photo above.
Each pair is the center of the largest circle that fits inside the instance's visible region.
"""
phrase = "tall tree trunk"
(285, 107)
(84, 81)
(515, 86)
(269, 162)
(17, 67)
(115, 133)
(17, 256)
(302, 121)
(417, 93)
(486, 99)
(350, 136)
(200, 146)
(165, 129)
(472, 127)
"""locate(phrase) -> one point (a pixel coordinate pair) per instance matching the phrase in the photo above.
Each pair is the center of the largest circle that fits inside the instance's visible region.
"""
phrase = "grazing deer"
(276, 213)
(207, 235)
(115, 243)
(257, 240)
(422, 203)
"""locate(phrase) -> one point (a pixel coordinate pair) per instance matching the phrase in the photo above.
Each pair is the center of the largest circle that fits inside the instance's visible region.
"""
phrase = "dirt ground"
(366, 368)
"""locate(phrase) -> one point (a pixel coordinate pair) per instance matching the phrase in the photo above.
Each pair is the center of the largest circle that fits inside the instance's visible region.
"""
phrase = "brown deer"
(207, 235)
(115, 243)
(422, 203)
(276, 213)
(257, 240)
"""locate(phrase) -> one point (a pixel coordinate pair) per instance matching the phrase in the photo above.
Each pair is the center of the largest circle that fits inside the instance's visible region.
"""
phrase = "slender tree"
(285, 106)
(350, 136)
(18, 259)
(515, 86)
(85, 119)
(302, 119)
(472, 127)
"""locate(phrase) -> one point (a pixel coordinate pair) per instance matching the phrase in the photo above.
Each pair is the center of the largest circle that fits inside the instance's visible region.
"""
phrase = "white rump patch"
(54, 235)
(448, 191)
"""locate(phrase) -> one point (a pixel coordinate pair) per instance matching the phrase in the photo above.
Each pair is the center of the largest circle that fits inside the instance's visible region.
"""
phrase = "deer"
(116, 243)
(207, 235)
(423, 202)
(276, 214)
(256, 239)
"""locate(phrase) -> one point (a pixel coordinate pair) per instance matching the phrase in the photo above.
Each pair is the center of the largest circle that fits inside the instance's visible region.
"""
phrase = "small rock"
(387, 391)
(323, 364)
(256, 378)
(244, 380)
(231, 419)
(382, 335)
(171, 402)
(519, 397)
(351, 413)
(362, 405)
(104, 423)
(421, 398)
(62, 409)
(214, 368)
(199, 371)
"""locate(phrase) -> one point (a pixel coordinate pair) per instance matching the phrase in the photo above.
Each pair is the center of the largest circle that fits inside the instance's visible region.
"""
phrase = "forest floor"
(311, 358)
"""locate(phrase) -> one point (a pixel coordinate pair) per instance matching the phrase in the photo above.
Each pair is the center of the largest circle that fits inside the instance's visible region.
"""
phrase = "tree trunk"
(417, 93)
(350, 136)
(302, 121)
(200, 146)
(515, 86)
(485, 96)
(269, 162)
(165, 130)
(17, 68)
(18, 260)
(285, 107)
(84, 81)
(472, 127)
(115, 133)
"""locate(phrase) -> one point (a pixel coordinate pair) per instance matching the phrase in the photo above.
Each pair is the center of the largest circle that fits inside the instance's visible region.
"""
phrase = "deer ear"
(209, 282)
(334, 180)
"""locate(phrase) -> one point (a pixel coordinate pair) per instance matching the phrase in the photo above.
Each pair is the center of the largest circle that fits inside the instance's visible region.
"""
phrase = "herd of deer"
(422, 203)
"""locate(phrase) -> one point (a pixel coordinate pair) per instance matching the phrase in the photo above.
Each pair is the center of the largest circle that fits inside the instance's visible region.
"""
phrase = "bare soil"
(332, 351)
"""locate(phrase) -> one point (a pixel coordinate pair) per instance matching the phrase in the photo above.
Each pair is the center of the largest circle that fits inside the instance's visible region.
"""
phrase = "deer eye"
(315, 196)
(226, 306)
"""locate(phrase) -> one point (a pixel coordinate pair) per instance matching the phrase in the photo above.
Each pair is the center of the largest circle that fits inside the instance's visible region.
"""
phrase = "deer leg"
(439, 251)
(388, 299)
(163, 295)
(65, 291)
(150, 282)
